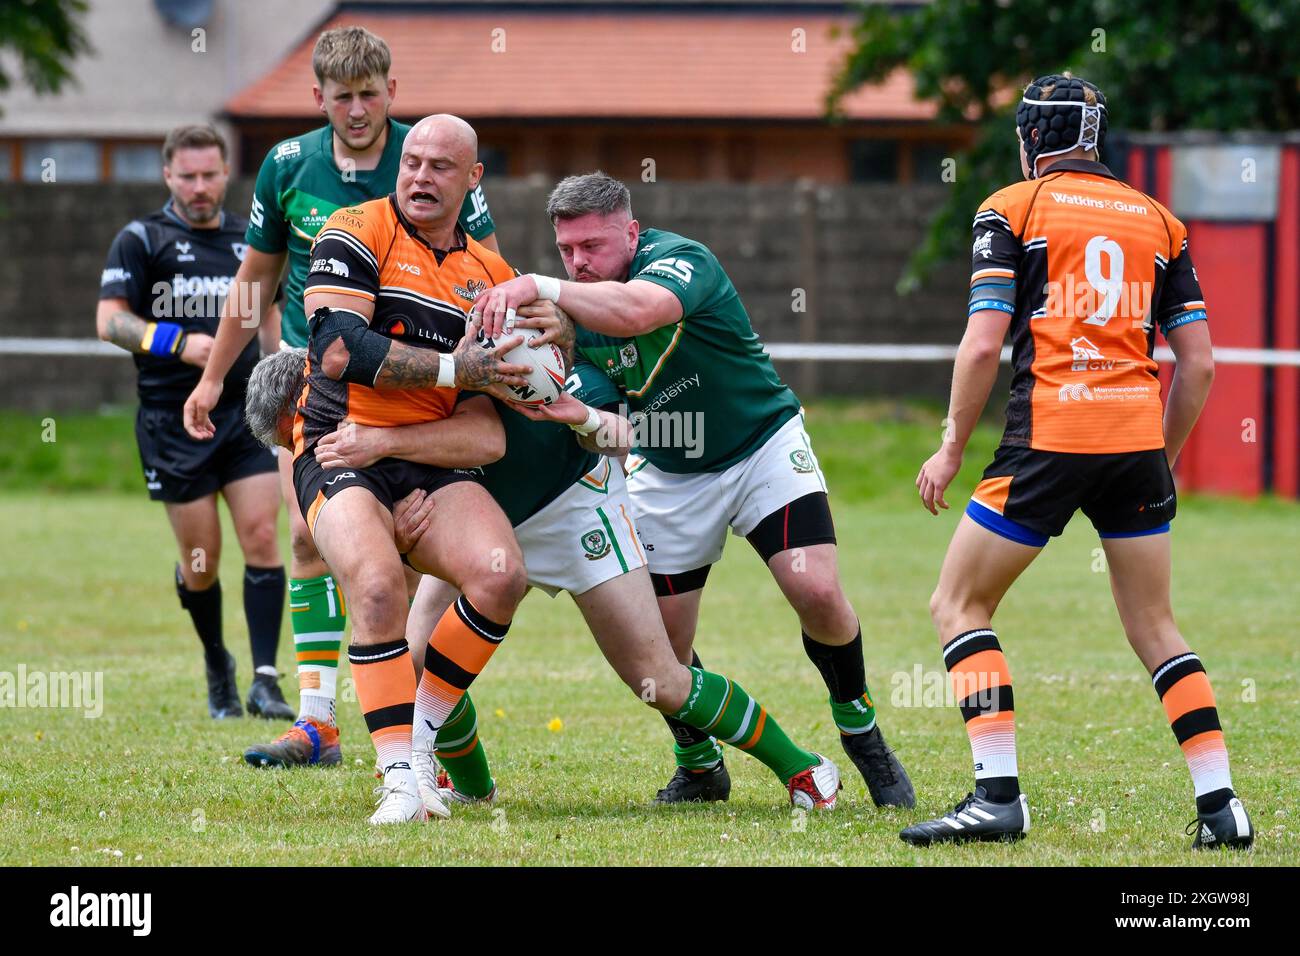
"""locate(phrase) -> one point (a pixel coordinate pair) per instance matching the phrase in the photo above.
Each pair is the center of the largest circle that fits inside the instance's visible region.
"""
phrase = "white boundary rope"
(815, 352)
(820, 352)
(84, 347)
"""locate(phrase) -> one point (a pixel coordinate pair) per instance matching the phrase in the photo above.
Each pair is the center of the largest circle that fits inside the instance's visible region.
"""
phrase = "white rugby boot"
(399, 801)
(816, 788)
(426, 768)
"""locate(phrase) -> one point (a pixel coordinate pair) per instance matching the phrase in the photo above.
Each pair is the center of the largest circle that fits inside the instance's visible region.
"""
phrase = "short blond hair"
(348, 54)
(1089, 95)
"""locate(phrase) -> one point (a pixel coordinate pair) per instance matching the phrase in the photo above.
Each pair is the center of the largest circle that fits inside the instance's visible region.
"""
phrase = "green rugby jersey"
(543, 460)
(702, 392)
(299, 187)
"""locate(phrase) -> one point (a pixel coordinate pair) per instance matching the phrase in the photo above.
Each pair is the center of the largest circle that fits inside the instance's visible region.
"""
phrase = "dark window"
(873, 161)
(494, 161)
(927, 161)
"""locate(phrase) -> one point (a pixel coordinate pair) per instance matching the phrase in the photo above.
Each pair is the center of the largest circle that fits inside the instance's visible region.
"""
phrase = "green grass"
(85, 585)
(69, 452)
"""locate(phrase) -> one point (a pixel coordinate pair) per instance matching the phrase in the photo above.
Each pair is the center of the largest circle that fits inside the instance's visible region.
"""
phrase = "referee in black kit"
(160, 297)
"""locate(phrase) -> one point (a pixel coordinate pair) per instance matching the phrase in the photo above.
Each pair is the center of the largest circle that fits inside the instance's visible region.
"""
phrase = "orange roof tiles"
(672, 65)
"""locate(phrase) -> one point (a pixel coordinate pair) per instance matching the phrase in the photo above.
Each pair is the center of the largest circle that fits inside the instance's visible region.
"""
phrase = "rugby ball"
(546, 380)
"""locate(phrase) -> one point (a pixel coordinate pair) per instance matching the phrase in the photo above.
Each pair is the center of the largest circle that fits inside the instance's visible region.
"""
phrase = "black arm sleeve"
(1181, 299)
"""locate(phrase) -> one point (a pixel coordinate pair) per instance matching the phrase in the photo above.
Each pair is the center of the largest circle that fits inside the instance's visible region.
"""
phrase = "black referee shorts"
(178, 468)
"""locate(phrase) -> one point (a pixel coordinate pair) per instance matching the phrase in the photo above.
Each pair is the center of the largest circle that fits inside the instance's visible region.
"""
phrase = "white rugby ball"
(546, 380)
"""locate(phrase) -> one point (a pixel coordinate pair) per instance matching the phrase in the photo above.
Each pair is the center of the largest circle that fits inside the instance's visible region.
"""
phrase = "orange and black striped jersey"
(1088, 267)
(421, 297)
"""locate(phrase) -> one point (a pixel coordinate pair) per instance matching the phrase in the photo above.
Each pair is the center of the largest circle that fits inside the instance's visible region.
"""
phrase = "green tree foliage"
(1163, 65)
(46, 37)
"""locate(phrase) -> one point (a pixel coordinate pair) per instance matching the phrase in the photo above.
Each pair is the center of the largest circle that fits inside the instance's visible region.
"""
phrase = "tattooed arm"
(116, 323)
(476, 367)
(407, 366)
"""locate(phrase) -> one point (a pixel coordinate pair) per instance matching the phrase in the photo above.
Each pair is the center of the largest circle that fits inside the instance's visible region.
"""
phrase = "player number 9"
(1111, 287)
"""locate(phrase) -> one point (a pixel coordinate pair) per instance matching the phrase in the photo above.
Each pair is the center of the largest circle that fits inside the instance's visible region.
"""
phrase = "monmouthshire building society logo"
(1076, 391)
(595, 544)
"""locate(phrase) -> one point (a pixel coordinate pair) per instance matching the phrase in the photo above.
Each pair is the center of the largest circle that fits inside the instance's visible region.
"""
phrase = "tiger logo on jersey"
(471, 290)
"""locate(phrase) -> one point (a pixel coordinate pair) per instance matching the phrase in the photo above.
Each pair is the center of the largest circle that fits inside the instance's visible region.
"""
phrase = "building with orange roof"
(731, 90)
(724, 90)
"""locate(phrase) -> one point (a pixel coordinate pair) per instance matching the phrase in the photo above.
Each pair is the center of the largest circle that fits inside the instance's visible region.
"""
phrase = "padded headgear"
(1062, 117)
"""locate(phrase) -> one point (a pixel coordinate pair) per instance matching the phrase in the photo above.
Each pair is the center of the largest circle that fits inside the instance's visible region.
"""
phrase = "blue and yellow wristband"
(163, 338)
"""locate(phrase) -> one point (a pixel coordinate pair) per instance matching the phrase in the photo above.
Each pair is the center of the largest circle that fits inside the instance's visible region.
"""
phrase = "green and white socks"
(460, 751)
(856, 716)
(722, 708)
(319, 617)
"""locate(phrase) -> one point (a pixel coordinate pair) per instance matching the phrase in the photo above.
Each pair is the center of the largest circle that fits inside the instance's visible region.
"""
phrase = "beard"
(189, 212)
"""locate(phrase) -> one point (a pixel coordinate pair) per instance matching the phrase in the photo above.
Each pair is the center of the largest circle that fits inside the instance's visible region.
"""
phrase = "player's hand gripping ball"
(546, 380)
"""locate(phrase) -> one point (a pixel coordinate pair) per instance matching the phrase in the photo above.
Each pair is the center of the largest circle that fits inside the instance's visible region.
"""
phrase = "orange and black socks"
(463, 641)
(385, 683)
(981, 684)
(1188, 699)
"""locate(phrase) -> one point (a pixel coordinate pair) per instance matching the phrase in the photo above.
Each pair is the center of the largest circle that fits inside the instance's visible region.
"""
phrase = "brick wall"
(843, 246)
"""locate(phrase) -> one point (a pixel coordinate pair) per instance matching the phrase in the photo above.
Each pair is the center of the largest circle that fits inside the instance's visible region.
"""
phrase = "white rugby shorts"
(683, 519)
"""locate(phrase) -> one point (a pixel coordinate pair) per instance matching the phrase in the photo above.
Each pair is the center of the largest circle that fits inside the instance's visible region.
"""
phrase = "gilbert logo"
(75, 909)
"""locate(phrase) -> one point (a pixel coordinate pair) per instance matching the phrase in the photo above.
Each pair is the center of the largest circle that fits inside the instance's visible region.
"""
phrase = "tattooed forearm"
(476, 369)
(125, 330)
(408, 367)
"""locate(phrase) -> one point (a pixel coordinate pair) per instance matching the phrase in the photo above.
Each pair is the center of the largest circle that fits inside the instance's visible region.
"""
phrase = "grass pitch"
(85, 585)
